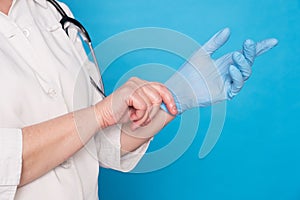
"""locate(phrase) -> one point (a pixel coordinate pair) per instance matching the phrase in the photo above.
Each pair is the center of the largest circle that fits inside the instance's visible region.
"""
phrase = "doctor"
(41, 138)
(55, 129)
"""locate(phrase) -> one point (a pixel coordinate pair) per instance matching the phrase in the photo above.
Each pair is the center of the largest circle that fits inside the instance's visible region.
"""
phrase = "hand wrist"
(100, 116)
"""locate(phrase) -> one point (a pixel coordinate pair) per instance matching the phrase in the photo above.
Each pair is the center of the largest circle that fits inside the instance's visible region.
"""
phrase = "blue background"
(257, 156)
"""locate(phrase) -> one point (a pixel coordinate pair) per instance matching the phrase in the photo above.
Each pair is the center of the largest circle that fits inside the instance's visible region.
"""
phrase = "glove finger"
(237, 81)
(224, 62)
(218, 40)
(249, 51)
(242, 64)
(265, 45)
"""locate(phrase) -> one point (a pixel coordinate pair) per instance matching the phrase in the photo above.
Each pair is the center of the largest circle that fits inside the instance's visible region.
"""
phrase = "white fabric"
(10, 161)
(39, 77)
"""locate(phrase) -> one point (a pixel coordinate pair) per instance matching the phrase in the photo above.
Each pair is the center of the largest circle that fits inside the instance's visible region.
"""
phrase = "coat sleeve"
(109, 150)
(10, 162)
(108, 140)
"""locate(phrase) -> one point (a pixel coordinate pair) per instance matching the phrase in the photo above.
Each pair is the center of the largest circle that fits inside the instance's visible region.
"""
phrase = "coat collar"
(42, 3)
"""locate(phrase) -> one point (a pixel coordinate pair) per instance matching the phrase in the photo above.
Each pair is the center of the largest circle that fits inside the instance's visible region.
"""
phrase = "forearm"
(131, 140)
(48, 144)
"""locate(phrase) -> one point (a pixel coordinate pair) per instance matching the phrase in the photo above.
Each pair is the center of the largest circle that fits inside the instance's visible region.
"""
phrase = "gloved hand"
(203, 81)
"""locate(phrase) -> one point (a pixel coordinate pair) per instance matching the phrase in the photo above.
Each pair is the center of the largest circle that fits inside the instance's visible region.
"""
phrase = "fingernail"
(174, 108)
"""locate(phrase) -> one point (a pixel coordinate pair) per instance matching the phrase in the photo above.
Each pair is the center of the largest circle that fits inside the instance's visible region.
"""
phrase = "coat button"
(26, 32)
(52, 93)
(66, 165)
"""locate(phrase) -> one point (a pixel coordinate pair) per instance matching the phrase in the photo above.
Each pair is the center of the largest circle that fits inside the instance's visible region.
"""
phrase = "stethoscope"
(85, 37)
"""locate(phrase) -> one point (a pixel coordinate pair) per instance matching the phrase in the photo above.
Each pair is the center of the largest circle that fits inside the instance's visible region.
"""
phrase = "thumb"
(217, 41)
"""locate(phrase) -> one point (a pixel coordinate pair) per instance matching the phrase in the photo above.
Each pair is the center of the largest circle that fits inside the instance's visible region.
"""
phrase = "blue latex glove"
(203, 81)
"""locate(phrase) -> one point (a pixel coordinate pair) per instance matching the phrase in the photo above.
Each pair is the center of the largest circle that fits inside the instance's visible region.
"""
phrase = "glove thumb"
(217, 41)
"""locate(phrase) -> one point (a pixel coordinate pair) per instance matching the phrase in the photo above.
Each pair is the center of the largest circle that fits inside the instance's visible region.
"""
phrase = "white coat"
(42, 71)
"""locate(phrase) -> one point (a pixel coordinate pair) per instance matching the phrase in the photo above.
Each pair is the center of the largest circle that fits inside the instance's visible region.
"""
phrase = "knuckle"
(132, 81)
(128, 90)
(124, 91)
(247, 71)
(157, 99)
(136, 80)
(129, 84)
(133, 78)
(144, 106)
(160, 86)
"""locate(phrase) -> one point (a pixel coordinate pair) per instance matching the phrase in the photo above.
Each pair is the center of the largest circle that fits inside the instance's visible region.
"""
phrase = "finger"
(249, 51)
(152, 94)
(242, 64)
(136, 115)
(138, 107)
(154, 97)
(137, 100)
(141, 122)
(146, 122)
(143, 116)
(237, 81)
(167, 97)
(145, 96)
(151, 97)
(218, 40)
(265, 45)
